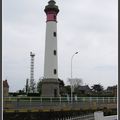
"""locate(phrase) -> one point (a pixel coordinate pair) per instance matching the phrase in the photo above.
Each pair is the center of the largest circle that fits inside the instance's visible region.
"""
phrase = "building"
(84, 89)
(112, 90)
(50, 83)
(5, 88)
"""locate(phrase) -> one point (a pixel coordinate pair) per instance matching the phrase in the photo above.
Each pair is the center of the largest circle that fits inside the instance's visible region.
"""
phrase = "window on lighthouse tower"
(54, 52)
(55, 71)
(54, 34)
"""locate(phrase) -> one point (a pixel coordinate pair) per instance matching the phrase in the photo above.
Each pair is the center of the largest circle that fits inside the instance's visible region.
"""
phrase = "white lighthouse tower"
(50, 84)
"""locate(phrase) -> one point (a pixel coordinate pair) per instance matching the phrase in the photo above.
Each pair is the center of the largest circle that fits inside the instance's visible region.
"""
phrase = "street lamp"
(71, 74)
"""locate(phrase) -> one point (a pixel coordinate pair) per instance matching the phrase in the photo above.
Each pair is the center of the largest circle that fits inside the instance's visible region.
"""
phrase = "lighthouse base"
(50, 88)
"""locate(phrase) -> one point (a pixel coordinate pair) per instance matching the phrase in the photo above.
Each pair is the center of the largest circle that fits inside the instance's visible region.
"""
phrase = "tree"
(32, 86)
(20, 91)
(27, 85)
(61, 82)
(61, 87)
(74, 83)
(97, 88)
(68, 89)
(39, 85)
(26, 88)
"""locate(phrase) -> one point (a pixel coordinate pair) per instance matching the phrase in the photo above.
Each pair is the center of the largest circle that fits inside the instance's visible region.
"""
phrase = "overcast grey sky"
(88, 26)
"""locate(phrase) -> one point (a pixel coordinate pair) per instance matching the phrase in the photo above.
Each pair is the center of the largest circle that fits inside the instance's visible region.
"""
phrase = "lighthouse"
(50, 84)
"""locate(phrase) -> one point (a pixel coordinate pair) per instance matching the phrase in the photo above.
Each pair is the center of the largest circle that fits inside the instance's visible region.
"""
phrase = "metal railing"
(40, 102)
(61, 99)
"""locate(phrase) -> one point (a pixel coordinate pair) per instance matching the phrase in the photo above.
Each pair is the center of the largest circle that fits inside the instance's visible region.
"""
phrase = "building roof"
(5, 84)
(111, 87)
(86, 87)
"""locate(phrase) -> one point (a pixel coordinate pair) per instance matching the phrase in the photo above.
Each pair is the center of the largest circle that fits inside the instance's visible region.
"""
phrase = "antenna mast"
(32, 83)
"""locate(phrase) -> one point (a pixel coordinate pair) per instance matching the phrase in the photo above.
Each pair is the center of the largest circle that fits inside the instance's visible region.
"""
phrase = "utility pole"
(72, 89)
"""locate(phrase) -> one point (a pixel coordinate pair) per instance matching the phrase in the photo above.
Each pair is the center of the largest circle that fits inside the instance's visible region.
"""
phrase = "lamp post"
(71, 74)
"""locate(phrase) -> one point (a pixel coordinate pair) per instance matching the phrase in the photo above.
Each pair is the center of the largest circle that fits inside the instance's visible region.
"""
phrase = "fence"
(62, 99)
(56, 103)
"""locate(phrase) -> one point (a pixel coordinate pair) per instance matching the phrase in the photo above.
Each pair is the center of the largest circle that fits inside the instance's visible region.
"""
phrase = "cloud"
(87, 26)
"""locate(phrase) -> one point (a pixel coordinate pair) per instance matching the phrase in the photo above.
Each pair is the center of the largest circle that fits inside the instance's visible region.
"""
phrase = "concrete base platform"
(50, 88)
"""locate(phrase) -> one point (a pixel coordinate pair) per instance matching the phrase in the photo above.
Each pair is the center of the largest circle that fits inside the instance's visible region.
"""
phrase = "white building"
(99, 116)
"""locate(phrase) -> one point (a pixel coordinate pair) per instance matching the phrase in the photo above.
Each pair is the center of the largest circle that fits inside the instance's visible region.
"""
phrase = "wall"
(5, 91)
(99, 116)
